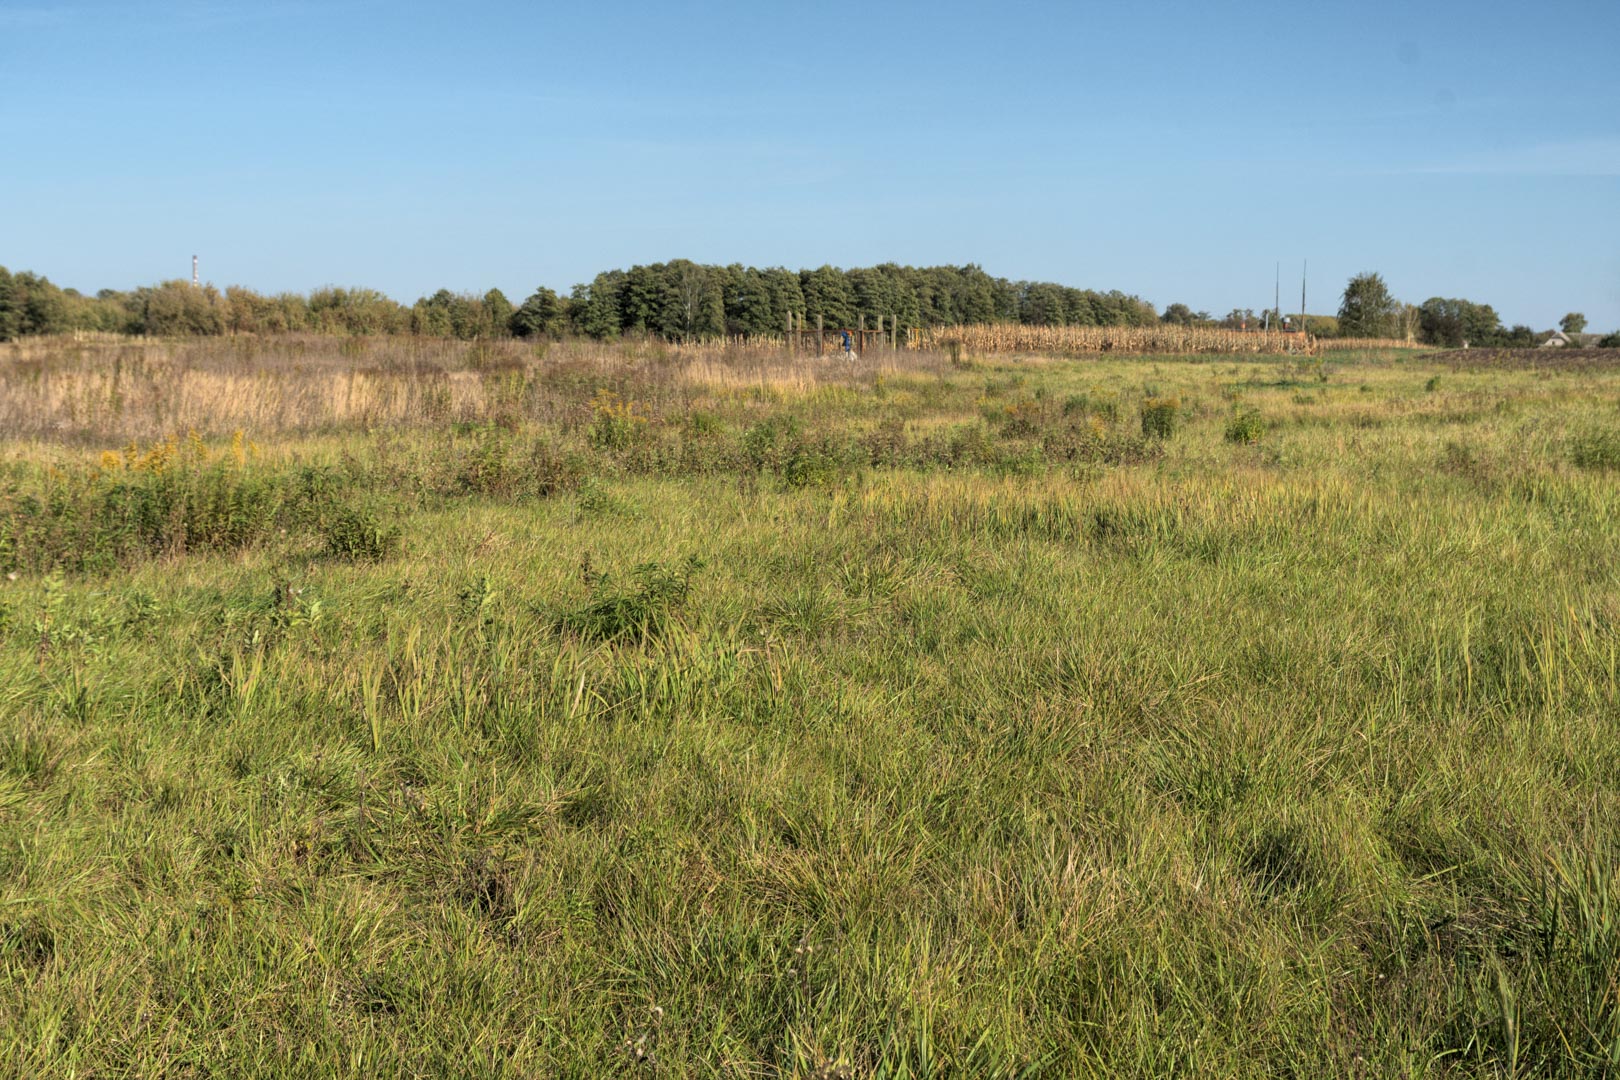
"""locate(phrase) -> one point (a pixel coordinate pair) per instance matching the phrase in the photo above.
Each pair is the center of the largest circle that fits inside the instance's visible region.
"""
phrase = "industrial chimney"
(194, 281)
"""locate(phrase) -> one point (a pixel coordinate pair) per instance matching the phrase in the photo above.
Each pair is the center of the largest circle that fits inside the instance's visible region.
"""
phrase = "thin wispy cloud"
(1579, 157)
(25, 17)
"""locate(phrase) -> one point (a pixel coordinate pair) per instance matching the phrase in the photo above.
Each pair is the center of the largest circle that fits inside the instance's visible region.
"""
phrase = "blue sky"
(1174, 150)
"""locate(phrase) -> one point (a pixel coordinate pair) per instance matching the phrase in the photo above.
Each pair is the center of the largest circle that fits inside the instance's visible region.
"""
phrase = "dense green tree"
(1082, 307)
(1043, 305)
(1367, 308)
(786, 293)
(497, 312)
(698, 297)
(176, 308)
(746, 297)
(594, 309)
(543, 314)
(1573, 323)
(975, 295)
(333, 310)
(10, 320)
(828, 295)
(877, 295)
(448, 314)
(1457, 323)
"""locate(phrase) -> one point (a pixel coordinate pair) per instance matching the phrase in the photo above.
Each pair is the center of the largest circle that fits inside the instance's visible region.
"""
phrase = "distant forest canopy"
(678, 300)
(682, 301)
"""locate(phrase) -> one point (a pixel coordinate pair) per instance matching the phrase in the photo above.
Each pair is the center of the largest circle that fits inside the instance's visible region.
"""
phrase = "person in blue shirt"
(848, 345)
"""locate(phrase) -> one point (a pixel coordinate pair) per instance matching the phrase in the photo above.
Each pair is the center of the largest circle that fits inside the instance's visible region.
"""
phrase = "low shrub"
(1246, 427)
(357, 533)
(616, 424)
(172, 499)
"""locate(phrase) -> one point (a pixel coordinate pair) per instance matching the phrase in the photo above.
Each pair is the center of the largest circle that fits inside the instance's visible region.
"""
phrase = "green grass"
(926, 726)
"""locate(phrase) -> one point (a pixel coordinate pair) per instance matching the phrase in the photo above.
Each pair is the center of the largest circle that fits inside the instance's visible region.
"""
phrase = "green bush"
(356, 533)
(169, 501)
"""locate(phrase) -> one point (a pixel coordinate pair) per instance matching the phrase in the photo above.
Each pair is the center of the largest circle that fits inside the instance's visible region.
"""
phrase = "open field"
(662, 712)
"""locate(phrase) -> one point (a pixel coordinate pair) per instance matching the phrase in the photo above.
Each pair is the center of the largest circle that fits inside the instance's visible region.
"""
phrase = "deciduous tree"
(1367, 309)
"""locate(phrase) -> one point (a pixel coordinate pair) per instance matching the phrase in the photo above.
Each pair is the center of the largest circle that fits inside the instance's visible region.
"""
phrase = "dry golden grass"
(120, 389)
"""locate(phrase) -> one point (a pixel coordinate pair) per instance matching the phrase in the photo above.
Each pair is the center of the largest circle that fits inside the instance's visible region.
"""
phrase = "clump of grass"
(1160, 416)
(1091, 404)
(645, 609)
(1020, 418)
(1246, 427)
(1597, 448)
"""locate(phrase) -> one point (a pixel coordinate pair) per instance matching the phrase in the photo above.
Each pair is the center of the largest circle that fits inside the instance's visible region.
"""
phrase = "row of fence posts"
(886, 336)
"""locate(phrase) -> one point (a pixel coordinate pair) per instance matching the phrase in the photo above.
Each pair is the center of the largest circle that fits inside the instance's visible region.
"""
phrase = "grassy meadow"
(448, 710)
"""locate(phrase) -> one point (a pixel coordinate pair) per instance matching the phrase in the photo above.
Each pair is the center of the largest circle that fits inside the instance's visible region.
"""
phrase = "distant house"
(1557, 339)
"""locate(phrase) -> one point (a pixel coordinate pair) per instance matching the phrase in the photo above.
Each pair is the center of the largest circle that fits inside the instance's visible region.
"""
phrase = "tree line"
(681, 301)
(1368, 309)
(677, 300)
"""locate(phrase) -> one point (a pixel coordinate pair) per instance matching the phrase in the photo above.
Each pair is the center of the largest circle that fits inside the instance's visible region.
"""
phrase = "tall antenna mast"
(1276, 293)
(194, 280)
(1302, 274)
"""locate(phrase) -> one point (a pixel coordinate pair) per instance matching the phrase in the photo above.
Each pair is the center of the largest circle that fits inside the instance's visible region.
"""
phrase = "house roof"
(1557, 338)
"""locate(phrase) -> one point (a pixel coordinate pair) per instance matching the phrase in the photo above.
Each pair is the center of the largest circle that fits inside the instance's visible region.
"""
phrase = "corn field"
(1361, 343)
(1069, 340)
